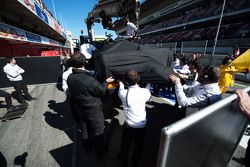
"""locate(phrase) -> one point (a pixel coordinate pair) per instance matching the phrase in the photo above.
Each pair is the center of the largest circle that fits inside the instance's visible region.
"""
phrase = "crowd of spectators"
(237, 30)
(231, 31)
(213, 9)
(150, 6)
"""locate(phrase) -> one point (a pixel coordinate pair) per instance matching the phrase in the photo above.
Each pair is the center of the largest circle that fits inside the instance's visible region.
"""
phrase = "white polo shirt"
(134, 104)
(182, 70)
(189, 96)
(131, 28)
(13, 72)
(64, 79)
(87, 50)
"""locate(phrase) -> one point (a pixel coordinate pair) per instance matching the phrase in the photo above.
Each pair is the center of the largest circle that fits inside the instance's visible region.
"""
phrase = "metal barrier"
(206, 138)
(205, 46)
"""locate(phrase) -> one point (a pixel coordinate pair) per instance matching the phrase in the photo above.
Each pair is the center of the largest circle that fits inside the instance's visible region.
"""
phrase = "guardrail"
(205, 46)
(206, 138)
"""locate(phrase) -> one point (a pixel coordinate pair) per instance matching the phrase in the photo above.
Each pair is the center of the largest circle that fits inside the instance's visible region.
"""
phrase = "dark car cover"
(119, 57)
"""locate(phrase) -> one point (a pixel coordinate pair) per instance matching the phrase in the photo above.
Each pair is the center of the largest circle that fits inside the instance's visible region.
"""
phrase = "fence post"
(204, 53)
(217, 33)
(181, 46)
(175, 47)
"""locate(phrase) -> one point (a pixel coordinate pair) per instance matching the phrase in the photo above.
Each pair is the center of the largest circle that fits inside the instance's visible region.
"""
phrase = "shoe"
(239, 160)
(11, 108)
(32, 98)
(25, 103)
(247, 132)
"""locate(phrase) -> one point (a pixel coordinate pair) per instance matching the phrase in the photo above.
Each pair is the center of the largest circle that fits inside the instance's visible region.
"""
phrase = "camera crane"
(105, 10)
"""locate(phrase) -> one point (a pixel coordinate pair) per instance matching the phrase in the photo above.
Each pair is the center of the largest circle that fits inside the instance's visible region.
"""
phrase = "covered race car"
(153, 64)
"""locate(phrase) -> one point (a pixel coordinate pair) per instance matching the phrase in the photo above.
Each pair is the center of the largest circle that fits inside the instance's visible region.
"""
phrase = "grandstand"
(190, 26)
(200, 23)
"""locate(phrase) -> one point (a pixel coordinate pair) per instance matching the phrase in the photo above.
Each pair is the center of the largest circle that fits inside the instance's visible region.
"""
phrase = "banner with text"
(28, 4)
(11, 32)
(43, 14)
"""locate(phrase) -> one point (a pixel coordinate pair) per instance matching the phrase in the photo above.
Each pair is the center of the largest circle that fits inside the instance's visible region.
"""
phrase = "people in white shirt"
(193, 76)
(87, 50)
(131, 29)
(183, 68)
(200, 94)
(176, 63)
(13, 72)
(134, 102)
(69, 71)
(64, 79)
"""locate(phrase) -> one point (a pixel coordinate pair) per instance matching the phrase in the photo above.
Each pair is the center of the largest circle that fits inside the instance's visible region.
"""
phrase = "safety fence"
(206, 138)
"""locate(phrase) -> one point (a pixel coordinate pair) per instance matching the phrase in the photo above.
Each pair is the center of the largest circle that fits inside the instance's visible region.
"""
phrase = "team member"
(183, 68)
(65, 76)
(192, 77)
(14, 74)
(131, 29)
(228, 71)
(133, 100)
(201, 94)
(85, 93)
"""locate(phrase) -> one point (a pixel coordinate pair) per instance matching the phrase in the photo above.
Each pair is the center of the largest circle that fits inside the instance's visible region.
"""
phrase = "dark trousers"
(20, 87)
(73, 109)
(97, 144)
(247, 155)
(7, 97)
(131, 136)
(91, 124)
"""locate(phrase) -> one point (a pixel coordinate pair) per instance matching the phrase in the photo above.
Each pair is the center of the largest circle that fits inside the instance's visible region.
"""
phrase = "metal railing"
(206, 138)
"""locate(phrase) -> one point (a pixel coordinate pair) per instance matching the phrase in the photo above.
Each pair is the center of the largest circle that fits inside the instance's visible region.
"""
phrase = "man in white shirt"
(71, 65)
(191, 78)
(176, 63)
(200, 94)
(131, 29)
(134, 102)
(87, 50)
(183, 68)
(13, 72)
(64, 79)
